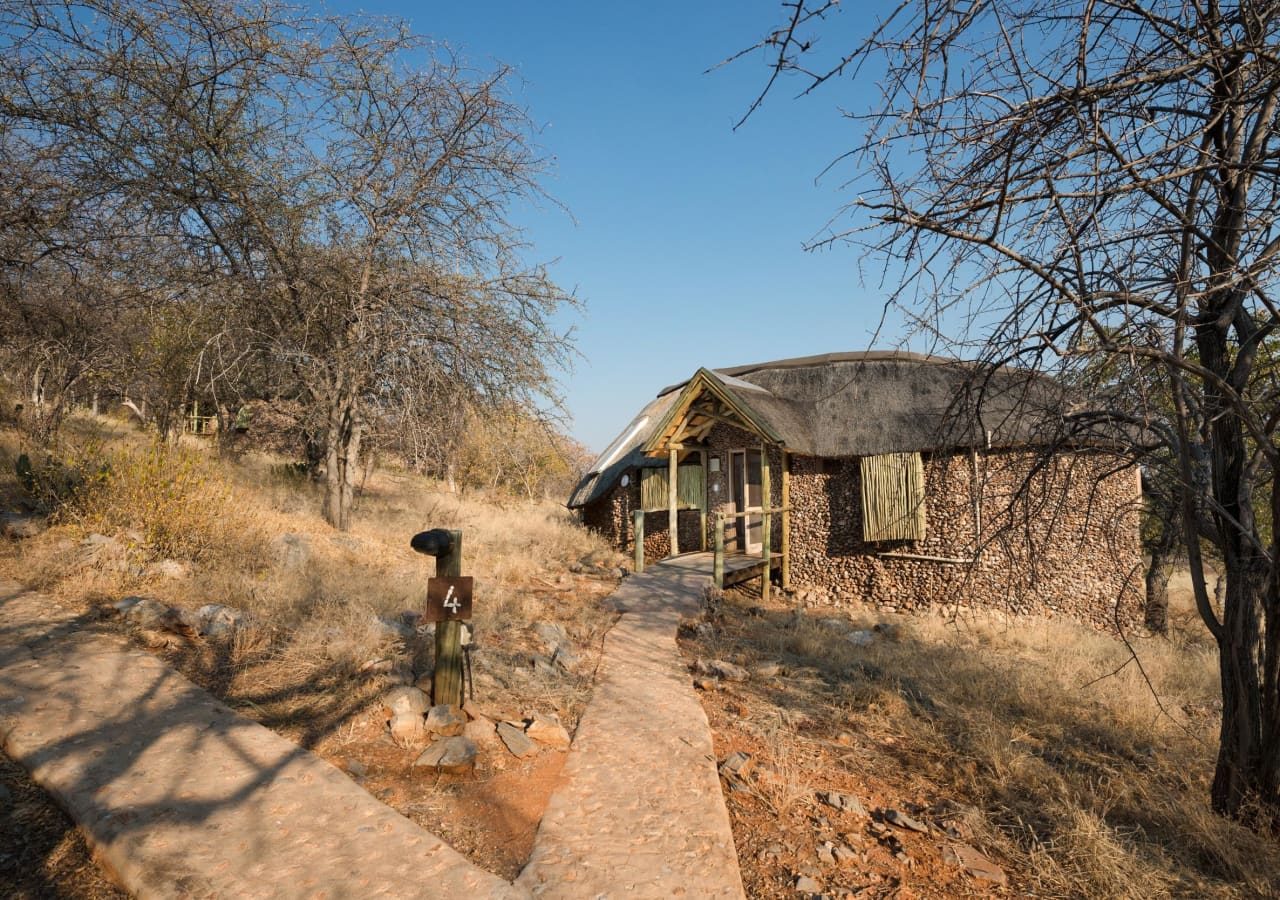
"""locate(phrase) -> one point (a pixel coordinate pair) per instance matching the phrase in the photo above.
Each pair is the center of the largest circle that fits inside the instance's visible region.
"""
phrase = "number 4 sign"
(448, 598)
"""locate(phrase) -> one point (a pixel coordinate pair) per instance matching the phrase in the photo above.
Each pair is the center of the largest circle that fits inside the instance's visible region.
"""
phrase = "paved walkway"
(183, 797)
(640, 812)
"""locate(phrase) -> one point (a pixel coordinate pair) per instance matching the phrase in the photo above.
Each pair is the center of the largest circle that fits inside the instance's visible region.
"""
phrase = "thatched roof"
(853, 404)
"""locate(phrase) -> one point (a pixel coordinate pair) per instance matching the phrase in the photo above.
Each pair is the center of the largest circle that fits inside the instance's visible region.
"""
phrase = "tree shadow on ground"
(107, 729)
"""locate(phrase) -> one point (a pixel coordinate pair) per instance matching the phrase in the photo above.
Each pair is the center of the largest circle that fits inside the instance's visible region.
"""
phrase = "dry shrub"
(171, 496)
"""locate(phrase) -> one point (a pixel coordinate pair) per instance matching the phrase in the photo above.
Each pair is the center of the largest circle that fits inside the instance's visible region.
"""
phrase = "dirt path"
(183, 797)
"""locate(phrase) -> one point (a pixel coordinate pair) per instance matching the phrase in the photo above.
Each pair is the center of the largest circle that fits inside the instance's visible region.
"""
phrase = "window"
(893, 497)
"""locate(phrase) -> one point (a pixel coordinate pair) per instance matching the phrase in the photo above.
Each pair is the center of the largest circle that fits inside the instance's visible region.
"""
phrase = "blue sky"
(685, 242)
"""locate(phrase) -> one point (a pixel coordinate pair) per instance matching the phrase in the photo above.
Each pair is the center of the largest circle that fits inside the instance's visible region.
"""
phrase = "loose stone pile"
(451, 737)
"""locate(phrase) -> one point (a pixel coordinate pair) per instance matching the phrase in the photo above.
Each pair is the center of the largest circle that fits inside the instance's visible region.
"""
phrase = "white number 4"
(451, 602)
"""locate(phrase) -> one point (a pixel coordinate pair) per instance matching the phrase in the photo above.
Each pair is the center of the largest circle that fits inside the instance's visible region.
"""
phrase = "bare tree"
(336, 192)
(1099, 180)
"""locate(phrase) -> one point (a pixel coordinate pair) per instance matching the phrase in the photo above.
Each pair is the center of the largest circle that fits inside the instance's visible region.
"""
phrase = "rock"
(516, 740)
(804, 884)
(124, 604)
(216, 620)
(767, 670)
(556, 642)
(390, 629)
(148, 612)
(725, 671)
(902, 820)
(20, 526)
(167, 568)
(548, 731)
(481, 731)
(474, 711)
(737, 764)
(453, 755)
(842, 802)
(826, 854)
(974, 863)
(445, 720)
(291, 550)
(408, 730)
(406, 701)
(552, 634)
(860, 638)
(542, 665)
(844, 855)
(356, 768)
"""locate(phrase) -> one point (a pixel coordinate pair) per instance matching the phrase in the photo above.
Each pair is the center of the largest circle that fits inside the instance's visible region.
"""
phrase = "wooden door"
(748, 497)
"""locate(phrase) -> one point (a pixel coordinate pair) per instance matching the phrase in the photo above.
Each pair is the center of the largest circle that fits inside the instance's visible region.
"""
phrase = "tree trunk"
(342, 452)
(1246, 781)
(1164, 557)
(1156, 610)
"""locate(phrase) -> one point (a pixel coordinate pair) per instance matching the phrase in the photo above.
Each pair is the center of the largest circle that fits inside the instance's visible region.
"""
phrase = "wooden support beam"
(637, 531)
(724, 420)
(717, 567)
(673, 514)
(786, 520)
(767, 504)
(706, 501)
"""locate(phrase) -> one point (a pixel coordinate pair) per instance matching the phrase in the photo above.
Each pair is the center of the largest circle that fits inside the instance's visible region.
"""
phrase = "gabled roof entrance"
(705, 401)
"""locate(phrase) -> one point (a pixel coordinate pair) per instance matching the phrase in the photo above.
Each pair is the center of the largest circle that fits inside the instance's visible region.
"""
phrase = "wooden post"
(766, 494)
(706, 501)
(637, 531)
(786, 521)
(673, 515)
(717, 569)
(446, 683)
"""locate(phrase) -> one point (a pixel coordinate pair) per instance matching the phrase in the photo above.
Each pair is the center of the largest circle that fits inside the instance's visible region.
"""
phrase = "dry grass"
(325, 603)
(1065, 764)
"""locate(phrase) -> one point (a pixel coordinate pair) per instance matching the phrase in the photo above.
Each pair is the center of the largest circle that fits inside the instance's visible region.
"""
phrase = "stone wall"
(1007, 531)
(611, 516)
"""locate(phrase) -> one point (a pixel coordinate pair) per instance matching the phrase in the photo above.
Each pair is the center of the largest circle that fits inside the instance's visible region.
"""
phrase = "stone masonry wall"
(1057, 539)
(1007, 532)
(611, 516)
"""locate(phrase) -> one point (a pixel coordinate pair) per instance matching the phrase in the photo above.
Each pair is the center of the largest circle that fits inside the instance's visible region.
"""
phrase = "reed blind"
(893, 497)
(691, 487)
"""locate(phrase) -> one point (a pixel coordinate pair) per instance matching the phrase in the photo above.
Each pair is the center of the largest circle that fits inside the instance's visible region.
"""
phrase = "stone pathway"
(183, 797)
(640, 813)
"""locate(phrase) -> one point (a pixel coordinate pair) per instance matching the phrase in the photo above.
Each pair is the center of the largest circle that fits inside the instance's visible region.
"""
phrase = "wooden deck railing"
(765, 514)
